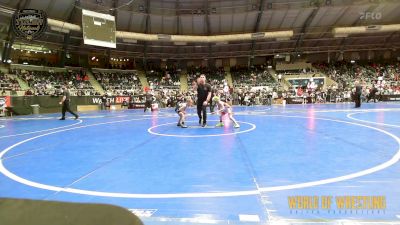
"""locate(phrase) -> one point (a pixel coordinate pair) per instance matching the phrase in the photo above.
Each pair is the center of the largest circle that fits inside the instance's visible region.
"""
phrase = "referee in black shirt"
(148, 101)
(203, 98)
(357, 94)
(65, 103)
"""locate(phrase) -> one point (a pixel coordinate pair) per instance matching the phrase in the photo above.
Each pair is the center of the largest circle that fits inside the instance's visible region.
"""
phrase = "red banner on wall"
(5, 101)
(120, 99)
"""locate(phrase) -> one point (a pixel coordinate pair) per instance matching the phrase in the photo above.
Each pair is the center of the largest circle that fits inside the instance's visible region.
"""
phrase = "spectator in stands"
(124, 104)
(108, 104)
(372, 94)
(279, 78)
(169, 102)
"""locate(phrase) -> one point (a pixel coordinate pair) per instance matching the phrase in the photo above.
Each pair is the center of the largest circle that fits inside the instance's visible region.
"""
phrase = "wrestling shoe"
(236, 126)
(220, 124)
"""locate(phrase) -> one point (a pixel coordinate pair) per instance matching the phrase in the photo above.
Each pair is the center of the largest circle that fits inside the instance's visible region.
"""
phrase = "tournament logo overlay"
(29, 23)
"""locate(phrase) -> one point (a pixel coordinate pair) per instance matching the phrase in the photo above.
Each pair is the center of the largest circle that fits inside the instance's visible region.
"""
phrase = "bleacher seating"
(8, 84)
(345, 73)
(215, 77)
(50, 82)
(257, 76)
(161, 79)
(119, 82)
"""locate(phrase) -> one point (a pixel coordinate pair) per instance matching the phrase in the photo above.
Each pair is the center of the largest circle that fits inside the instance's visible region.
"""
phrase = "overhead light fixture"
(373, 28)
(283, 39)
(126, 40)
(180, 43)
(179, 38)
(257, 35)
(341, 35)
(163, 37)
(222, 43)
(365, 29)
(60, 29)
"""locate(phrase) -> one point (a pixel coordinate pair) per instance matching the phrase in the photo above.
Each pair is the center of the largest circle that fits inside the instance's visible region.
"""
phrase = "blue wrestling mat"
(294, 164)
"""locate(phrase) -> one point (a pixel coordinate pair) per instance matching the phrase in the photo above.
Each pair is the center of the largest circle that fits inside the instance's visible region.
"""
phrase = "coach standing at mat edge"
(203, 98)
(65, 103)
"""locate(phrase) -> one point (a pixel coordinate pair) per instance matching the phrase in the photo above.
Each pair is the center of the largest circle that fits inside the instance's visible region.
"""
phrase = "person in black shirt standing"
(103, 102)
(65, 103)
(357, 94)
(148, 101)
(372, 93)
(203, 98)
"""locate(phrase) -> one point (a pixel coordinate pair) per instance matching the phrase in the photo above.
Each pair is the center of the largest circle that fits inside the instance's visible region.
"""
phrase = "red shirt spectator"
(299, 91)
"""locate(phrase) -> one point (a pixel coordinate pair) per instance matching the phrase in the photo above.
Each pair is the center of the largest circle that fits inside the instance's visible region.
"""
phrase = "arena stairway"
(285, 84)
(228, 76)
(184, 81)
(143, 78)
(22, 84)
(329, 81)
(96, 85)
